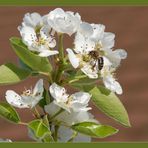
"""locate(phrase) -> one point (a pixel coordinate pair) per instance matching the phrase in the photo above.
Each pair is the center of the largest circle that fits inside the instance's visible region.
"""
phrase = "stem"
(61, 50)
(56, 127)
(73, 136)
(77, 78)
(61, 59)
(36, 113)
(23, 123)
(56, 114)
(48, 75)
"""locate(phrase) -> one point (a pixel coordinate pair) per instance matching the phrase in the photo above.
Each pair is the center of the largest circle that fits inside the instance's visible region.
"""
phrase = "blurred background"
(130, 24)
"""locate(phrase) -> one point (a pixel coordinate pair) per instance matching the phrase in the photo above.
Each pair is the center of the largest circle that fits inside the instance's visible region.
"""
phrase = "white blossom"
(107, 74)
(75, 102)
(28, 99)
(38, 37)
(92, 43)
(69, 118)
(64, 21)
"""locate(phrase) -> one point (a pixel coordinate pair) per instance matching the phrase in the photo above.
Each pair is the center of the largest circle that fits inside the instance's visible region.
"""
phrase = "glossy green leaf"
(9, 74)
(110, 104)
(8, 112)
(32, 60)
(94, 129)
(39, 131)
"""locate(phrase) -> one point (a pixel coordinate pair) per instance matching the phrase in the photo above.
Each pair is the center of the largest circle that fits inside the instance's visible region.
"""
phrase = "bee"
(95, 55)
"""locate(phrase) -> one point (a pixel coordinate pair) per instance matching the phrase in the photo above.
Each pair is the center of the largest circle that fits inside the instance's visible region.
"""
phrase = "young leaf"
(94, 129)
(32, 60)
(109, 103)
(45, 100)
(10, 74)
(39, 131)
(8, 112)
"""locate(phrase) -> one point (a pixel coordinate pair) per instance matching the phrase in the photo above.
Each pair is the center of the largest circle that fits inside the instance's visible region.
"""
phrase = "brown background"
(130, 24)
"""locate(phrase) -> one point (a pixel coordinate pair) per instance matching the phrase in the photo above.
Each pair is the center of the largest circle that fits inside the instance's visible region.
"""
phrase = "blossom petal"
(91, 73)
(58, 93)
(120, 53)
(98, 32)
(28, 35)
(38, 89)
(15, 100)
(112, 84)
(108, 40)
(83, 45)
(86, 29)
(64, 22)
(65, 133)
(46, 53)
(32, 19)
(74, 60)
(80, 101)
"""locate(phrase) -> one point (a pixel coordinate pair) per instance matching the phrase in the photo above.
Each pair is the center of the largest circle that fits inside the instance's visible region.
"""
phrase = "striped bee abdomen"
(100, 63)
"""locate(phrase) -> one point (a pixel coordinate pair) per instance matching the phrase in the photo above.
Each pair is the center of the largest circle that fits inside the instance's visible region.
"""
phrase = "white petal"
(120, 53)
(108, 40)
(38, 89)
(115, 56)
(91, 73)
(51, 108)
(83, 45)
(66, 133)
(15, 100)
(58, 93)
(63, 22)
(73, 58)
(80, 101)
(112, 85)
(118, 87)
(32, 19)
(98, 32)
(86, 29)
(46, 53)
(28, 35)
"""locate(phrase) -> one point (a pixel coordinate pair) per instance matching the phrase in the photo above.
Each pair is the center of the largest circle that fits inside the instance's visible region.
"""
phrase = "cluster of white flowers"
(92, 53)
(75, 106)
(93, 47)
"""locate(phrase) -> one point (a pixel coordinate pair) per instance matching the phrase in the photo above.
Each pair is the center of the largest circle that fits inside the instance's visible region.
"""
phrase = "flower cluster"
(92, 59)
(93, 47)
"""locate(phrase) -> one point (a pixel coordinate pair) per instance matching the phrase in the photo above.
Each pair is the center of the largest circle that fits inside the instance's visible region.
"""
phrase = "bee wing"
(15, 100)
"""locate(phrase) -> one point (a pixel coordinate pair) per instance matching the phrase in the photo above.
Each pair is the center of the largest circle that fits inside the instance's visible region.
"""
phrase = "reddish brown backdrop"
(130, 24)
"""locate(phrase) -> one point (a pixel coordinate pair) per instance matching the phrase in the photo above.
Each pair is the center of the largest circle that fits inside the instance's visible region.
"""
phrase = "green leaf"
(109, 103)
(8, 112)
(79, 81)
(82, 83)
(10, 74)
(94, 129)
(24, 66)
(32, 60)
(39, 131)
(45, 100)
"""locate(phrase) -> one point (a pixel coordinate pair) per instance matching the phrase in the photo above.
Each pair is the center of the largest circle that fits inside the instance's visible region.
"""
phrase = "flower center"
(27, 92)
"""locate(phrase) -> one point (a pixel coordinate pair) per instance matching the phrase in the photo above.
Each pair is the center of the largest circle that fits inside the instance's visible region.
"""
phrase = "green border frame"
(72, 2)
(73, 145)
